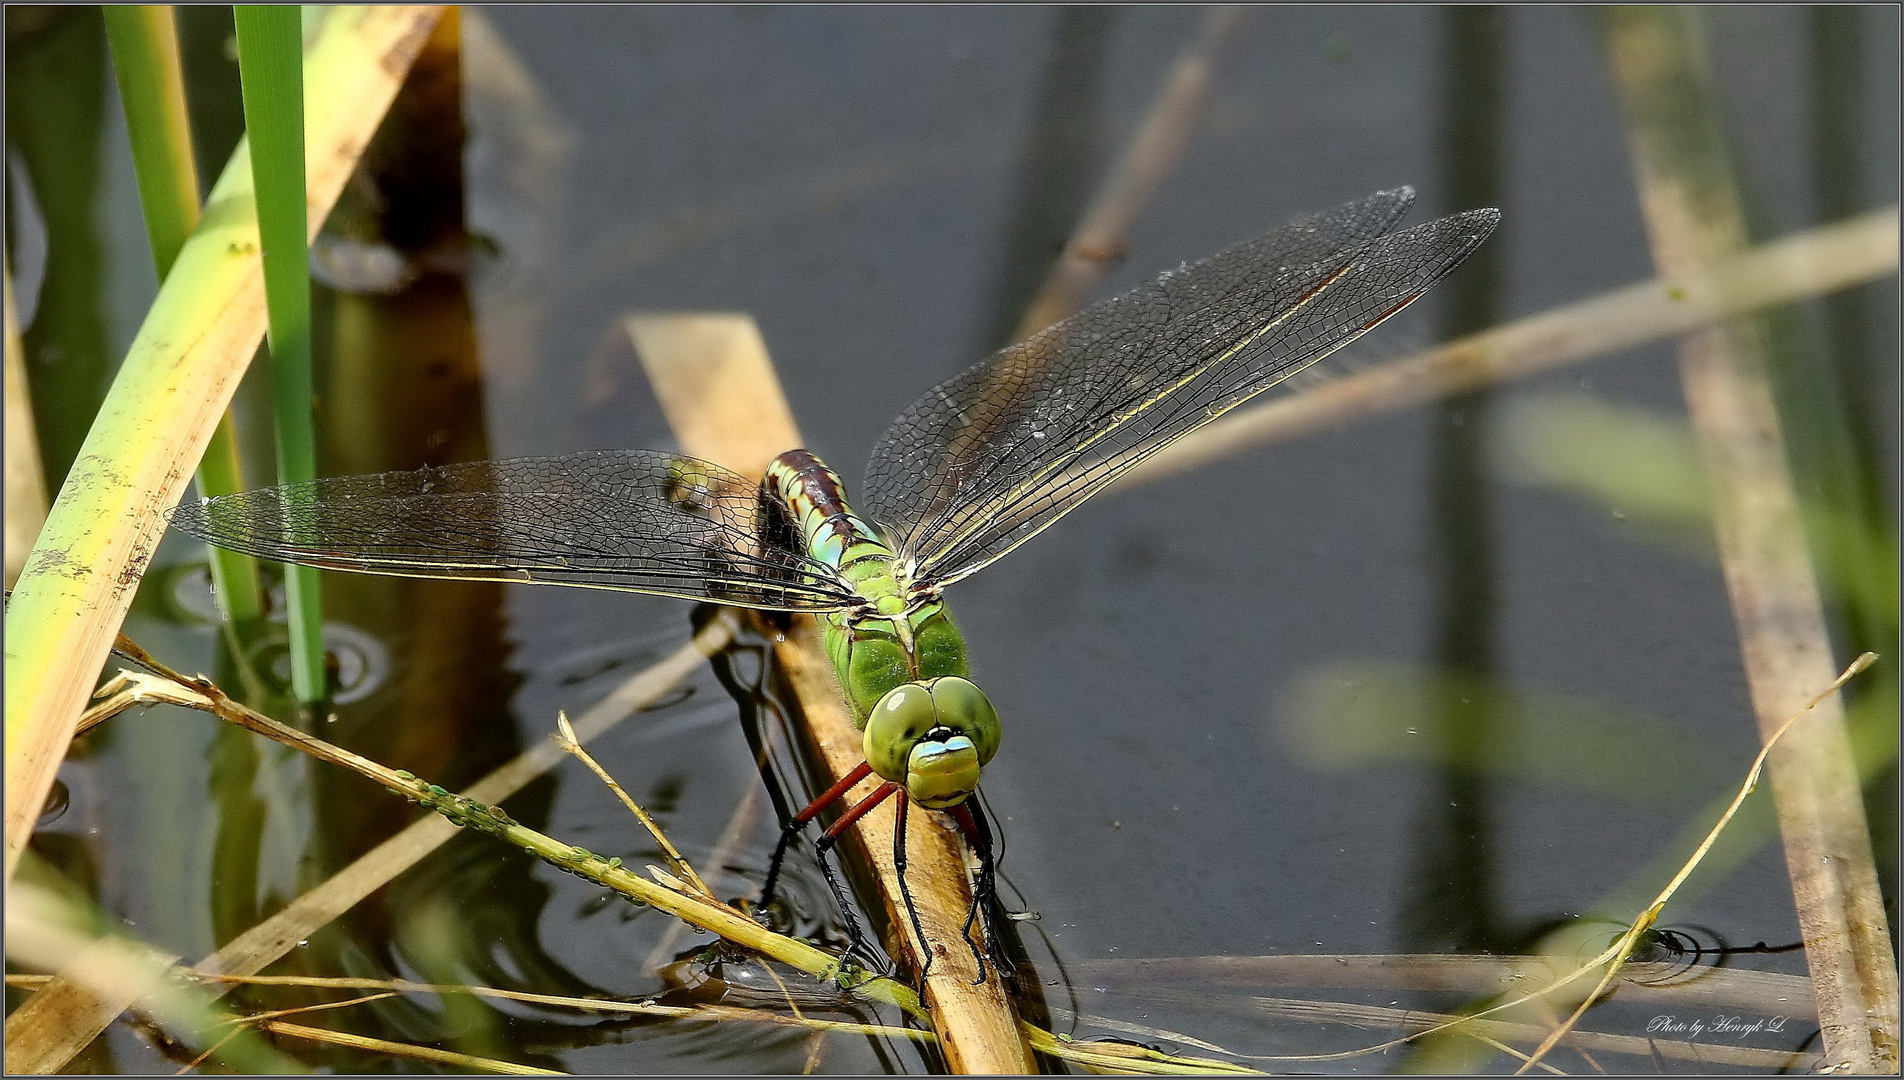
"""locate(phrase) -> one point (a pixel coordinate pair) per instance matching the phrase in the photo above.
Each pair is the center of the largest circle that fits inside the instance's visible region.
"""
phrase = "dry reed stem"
(402, 1050)
(716, 383)
(26, 480)
(1694, 219)
(1797, 267)
(1103, 234)
(106, 521)
(64, 1033)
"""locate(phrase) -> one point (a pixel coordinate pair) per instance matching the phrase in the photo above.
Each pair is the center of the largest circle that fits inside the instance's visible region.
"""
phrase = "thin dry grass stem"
(785, 992)
(567, 742)
(641, 1008)
(1629, 940)
(403, 1050)
(1511, 1052)
(724, 848)
(209, 1051)
(299, 1010)
(1474, 975)
(1102, 236)
(1111, 1023)
(1552, 1019)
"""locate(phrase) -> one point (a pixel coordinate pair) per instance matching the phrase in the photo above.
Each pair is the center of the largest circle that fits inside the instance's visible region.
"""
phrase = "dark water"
(1398, 687)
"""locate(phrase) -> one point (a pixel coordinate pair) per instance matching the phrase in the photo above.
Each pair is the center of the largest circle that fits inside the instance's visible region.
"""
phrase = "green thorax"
(897, 636)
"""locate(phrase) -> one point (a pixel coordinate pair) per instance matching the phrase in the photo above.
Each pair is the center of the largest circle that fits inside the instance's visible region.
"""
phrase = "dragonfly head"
(933, 737)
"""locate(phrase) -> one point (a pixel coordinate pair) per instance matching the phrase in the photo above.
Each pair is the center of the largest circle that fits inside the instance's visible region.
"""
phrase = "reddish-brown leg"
(827, 798)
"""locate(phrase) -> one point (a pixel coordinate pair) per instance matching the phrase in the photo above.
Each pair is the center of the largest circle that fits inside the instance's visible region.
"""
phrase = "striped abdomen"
(825, 527)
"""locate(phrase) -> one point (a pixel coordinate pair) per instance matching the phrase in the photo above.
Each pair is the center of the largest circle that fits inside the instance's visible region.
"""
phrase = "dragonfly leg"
(857, 939)
(905, 891)
(827, 798)
(972, 821)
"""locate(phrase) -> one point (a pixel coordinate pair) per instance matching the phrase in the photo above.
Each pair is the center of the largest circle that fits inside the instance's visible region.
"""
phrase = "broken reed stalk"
(665, 893)
(1102, 236)
(715, 382)
(163, 406)
(46, 1032)
(1798, 267)
(1694, 219)
(668, 895)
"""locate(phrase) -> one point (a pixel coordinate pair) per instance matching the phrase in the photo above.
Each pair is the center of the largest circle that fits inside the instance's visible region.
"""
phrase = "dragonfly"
(978, 465)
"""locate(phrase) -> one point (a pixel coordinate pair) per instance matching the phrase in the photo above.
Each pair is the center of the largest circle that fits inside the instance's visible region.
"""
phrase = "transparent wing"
(985, 460)
(634, 521)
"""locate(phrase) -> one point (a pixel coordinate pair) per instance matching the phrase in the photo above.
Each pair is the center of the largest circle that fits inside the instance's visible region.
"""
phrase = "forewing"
(634, 521)
(990, 457)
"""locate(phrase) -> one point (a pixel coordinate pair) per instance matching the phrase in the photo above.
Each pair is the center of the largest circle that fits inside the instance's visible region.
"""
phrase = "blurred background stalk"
(145, 56)
(1454, 904)
(1859, 522)
(271, 70)
(1056, 164)
(1695, 216)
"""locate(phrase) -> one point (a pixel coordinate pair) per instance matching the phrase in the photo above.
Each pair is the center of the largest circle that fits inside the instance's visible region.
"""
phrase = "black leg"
(855, 937)
(987, 893)
(832, 836)
(787, 834)
(905, 891)
(827, 798)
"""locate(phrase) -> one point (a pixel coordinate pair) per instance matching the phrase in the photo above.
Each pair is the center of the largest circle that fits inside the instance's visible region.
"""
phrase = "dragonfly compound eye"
(899, 720)
(932, 737)
(963, 707)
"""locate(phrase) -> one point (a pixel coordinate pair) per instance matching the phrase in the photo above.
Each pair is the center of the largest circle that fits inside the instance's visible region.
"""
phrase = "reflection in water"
(1452, 902)
(56, 107)
(1055, 173)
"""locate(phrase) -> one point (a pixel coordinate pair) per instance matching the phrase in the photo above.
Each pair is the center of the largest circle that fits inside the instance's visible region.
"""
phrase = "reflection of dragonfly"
(978, 465)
